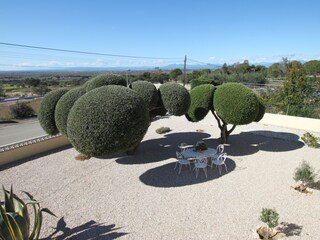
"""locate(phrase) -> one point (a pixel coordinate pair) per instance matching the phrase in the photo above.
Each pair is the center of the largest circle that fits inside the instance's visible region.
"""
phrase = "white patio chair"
(181, 161)
(221, 160)
(183, 146)
(201, 163)
(220, 149)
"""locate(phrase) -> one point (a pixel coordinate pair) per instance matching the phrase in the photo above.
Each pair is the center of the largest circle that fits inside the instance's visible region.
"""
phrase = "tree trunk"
(224, 134)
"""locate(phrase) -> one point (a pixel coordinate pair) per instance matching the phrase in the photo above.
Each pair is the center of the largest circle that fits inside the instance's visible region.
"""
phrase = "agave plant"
(15, 217)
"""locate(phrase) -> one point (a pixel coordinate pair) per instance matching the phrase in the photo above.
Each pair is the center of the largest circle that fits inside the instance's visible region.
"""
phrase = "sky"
(207, 31)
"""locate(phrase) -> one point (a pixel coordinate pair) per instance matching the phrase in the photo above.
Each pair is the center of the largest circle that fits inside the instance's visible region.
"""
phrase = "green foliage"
(262, 109)
(147, 91)
(236, 104)
(41, 89)
(201, 146)
(2, 91)
(104, 80)
(107, 120)
(159, 110)
(173, 74)
(201, 81)
(15, 217)
(159, 77)
(163, 130)
(21, 110)
(201, 102)
(175, 98)
(310, 140)
(63, 107)
(270, 217)
(276, 70)
(312, 67)
(47, 110)
(304, 173)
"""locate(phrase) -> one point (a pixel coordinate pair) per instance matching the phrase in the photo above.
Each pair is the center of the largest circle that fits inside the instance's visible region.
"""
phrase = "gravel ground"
(143, 197)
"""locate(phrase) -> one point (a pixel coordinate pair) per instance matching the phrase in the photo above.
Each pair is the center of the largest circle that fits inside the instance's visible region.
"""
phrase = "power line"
(82, 52)
(196, 61)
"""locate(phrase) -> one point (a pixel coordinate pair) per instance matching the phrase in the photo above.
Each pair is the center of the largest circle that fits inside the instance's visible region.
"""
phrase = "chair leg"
(197, 172)
(205, 172)
(220, 169)
(190, 166)
(226, 167)
(180, 166)
(175, 166)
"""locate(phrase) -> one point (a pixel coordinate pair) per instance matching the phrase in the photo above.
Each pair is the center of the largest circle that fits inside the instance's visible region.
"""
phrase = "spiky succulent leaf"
(15, 226)
(21, 225)
(5, 228)
(8, 200)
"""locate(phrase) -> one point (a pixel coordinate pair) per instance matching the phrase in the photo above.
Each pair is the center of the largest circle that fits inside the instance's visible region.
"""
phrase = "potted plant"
(271, 218)
(305, 174)
(201, 146)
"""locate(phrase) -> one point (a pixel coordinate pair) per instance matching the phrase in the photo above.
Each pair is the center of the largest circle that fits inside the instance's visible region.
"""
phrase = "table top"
(186, 146)
(192, 153)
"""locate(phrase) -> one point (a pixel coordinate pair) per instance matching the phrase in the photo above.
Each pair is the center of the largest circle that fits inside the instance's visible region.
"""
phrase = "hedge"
(236, 104)
(104, 80)
(107, 120)
(147, 91)
(47, 110)
(200, 81)
(201, 102)
(175, 98)
(63, 107)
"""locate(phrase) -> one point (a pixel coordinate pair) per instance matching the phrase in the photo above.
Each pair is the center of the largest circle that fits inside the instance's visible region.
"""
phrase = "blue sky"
(204, 30)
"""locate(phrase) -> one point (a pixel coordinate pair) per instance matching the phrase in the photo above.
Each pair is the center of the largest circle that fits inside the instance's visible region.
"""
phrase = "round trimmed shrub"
(201, 102)
(63, 107)
(175, 98)
(159, 110)
(21, 110)
(107, 120)
(104, 80)
(235, 103)
(262, 109)
(200, 81)
(147, 91)
(47, 110)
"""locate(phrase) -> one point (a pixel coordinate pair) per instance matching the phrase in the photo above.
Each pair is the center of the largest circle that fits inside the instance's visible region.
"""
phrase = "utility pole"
(185, 70)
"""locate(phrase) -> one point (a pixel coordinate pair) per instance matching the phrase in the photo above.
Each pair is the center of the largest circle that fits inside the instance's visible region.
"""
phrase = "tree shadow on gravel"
(155, 150)
(290, 229)
(166, 176)
(90, 230)
(247, 143)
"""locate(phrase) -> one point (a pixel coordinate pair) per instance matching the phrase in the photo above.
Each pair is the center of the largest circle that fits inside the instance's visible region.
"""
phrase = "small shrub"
(304, 173)
(107, 120)
(163, 130)
(310, 140)
(47, 111)
(200, 81)
(175, 98)
(21, 110)
(201, 146)
(104, 80)
(270, 217)
(63, 107)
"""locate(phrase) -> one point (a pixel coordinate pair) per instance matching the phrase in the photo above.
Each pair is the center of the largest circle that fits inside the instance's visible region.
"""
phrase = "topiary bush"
(236, 104)
(175, 98)
(47, 110)
(200, 81)
(262, 109)
(21, 110)
(107, 120)
(201, 102)
(63, 107)
(104, 80)
(147, 91)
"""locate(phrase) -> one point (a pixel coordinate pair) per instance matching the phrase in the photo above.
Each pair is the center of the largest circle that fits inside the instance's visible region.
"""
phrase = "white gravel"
(142, 197)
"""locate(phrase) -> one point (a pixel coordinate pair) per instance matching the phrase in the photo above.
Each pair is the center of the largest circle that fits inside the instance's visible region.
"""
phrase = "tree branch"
(230, 131)
(218, 120)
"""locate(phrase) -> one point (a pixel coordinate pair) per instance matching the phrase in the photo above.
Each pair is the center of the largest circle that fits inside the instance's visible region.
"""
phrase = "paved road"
(22, 130)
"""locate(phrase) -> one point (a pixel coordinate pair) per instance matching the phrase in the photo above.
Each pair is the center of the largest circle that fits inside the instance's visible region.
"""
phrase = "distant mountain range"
(126, 68)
